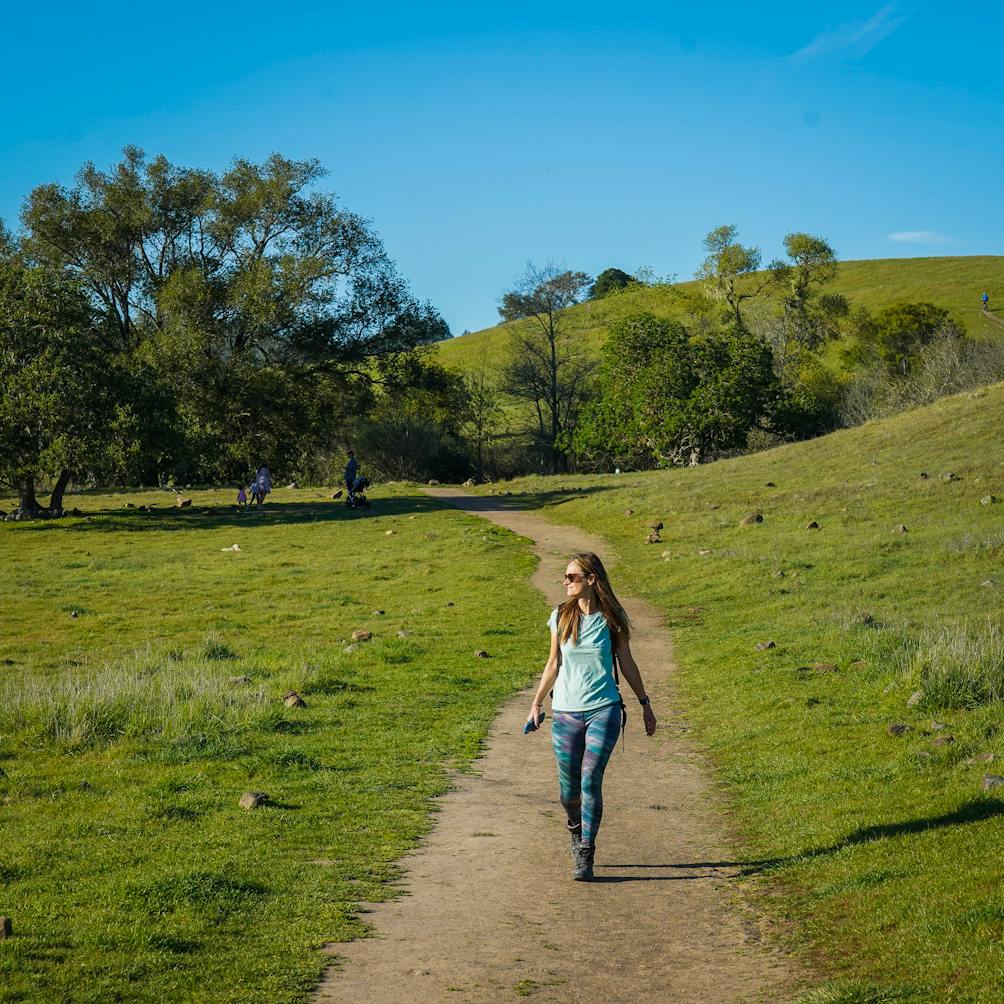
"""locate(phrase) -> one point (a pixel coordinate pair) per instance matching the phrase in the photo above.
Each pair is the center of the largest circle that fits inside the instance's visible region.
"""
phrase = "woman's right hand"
(535, 715)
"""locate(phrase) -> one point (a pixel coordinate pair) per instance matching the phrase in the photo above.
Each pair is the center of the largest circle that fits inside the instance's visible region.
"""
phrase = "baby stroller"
(357, 497)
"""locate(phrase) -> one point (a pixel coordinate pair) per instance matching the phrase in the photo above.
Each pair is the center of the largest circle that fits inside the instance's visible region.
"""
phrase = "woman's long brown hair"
(569, 614)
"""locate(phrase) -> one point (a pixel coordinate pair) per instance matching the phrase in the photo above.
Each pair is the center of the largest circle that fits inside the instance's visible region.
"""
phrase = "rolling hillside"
(952, 282)
(842, 665)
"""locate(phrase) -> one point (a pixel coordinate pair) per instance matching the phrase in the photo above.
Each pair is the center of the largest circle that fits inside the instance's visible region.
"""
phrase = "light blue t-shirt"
(586, 677)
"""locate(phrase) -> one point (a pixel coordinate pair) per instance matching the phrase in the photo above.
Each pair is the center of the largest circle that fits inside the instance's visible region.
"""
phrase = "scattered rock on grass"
(943, 740)
(656, 525)
(915, 698)
(949, 476)
(481, 654)
(182, 503)
(812, 525)
(825, 667)
(388, 533)
(240, 680)
(629, 512)
(899, 729)
(666, 555)
(294, 700)
(252, 799)
(763, 646)
(989, 500)
(980, 758)
(433, 481)
(770, 484)
(752, 519)
(235, 548)
(404, 634)
(924, 475)
(900, 528)
(703, 551)
(991, 781)
(293, 484)
(653, 538)
(6, 928)
(74, 613)
(378, 613)
(361, 634)
(349, 649)
(337, 494)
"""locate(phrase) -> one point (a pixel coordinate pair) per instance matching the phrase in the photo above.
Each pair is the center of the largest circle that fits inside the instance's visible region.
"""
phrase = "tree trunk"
(26, 494)
(59, 489)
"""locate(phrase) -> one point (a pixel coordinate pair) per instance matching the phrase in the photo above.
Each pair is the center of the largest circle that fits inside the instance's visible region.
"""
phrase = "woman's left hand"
(649, 717)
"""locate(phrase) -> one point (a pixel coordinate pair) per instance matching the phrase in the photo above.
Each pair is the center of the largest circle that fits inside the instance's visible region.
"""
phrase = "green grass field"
(882, 851)
(952, 282)
(142, 676)
(129, 731)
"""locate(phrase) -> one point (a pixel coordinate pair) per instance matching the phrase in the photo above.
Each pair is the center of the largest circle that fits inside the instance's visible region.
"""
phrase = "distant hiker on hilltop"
(985, 299)
(589, 635)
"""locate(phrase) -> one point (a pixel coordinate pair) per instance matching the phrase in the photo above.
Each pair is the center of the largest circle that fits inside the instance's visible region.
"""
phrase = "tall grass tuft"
(959, 666)
(136, 698)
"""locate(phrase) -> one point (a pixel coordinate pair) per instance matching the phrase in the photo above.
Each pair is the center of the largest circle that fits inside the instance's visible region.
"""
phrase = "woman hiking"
(589, 631)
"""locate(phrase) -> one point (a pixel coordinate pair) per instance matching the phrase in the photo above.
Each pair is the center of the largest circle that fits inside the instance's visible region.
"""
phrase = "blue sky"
(476, 137)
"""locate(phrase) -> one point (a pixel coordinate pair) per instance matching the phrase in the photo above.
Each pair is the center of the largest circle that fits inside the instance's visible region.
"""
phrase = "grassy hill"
(880, 844)
(952, 282)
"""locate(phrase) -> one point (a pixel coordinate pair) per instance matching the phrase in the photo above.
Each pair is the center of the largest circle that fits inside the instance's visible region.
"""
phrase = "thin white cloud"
(922, 237)
(855, 38)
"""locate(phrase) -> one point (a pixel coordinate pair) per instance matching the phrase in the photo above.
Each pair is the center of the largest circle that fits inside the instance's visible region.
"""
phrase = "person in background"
(242, 498)
(262, 484)
(351, 471)
(985, 300)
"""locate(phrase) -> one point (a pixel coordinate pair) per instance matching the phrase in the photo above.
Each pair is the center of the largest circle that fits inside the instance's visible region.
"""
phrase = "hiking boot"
(575, 838)
(582, 871)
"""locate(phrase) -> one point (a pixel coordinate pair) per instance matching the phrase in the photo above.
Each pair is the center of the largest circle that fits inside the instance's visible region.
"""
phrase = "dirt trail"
(491, 910)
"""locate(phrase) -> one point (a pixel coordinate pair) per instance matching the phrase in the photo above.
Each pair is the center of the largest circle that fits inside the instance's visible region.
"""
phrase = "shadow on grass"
(210, 517)
(166, 516)
(529, 500)
(972, 811)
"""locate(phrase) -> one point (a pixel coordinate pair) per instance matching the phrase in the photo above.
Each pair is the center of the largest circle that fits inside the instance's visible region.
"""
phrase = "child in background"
(242, 498)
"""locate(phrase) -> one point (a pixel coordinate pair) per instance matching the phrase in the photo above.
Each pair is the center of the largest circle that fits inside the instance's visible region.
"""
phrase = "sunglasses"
(574, 577)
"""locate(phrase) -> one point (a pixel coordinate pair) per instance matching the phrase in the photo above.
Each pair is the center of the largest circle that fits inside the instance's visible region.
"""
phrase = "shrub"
(959, 666)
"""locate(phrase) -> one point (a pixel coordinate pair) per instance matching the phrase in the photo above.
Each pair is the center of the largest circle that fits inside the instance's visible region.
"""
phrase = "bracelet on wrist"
(644, 701)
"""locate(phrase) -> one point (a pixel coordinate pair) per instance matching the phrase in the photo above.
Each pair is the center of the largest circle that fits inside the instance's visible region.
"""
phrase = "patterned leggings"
(583, 742)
